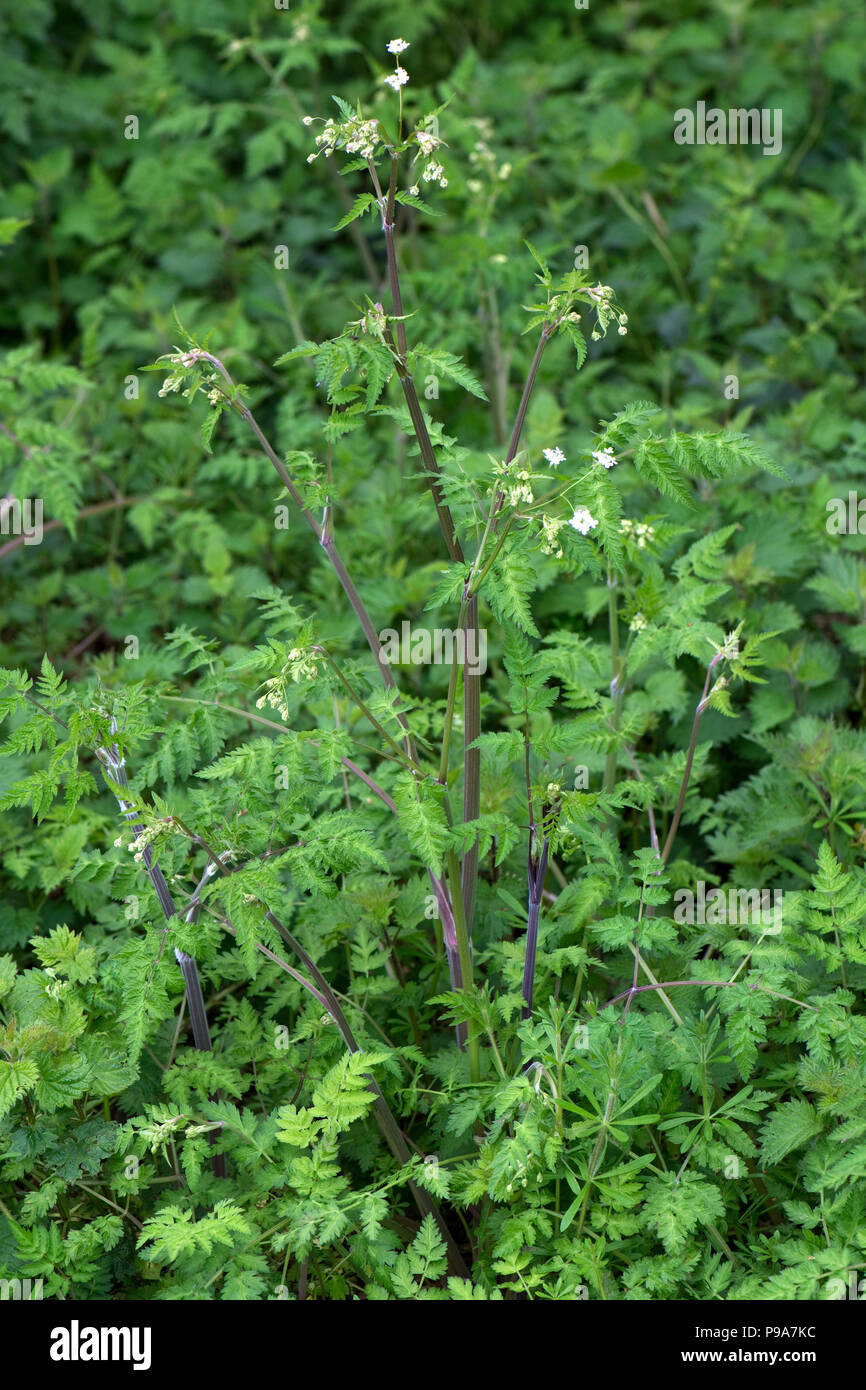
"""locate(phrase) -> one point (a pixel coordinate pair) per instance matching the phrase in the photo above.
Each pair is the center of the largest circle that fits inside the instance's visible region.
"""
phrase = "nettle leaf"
(704, 557)
(16, 1078)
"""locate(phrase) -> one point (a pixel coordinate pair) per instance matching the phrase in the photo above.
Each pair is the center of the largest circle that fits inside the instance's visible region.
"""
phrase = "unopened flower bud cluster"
(301, 667)
(358, 136)
(606, 312)
(639, 531)
(551, 527)
(182, 362)
(374, 321)
(145, 837)
(515, 479)
(54, 987)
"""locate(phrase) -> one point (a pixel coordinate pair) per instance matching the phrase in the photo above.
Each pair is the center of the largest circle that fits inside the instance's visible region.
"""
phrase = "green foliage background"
(728, 263)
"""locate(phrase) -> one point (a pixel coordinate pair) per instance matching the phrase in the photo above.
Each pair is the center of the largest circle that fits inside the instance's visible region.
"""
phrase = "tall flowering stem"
(465, 884)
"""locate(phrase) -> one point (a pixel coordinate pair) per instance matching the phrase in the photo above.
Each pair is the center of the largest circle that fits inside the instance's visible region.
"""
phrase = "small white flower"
(583, 520)
(638, 623)
(397, 79)
(118, 844)
(397, 46)
(308, 120)
(605, 457)
(414, 190)
(554, 457)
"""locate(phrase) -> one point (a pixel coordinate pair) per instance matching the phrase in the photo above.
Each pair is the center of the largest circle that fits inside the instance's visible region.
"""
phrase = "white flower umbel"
(583, 520)
(397, 79)
(397, 46)
(554, 457)
(605, 457)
